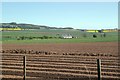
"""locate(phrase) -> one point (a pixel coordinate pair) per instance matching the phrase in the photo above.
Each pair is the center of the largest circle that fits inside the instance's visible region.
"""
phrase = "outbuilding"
(67, 36)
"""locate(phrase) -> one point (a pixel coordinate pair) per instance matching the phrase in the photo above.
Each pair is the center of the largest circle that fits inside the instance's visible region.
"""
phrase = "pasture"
(54, 36)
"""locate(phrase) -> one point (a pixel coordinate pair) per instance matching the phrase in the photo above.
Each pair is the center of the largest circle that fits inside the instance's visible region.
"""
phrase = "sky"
(60, 0)
(79, 15)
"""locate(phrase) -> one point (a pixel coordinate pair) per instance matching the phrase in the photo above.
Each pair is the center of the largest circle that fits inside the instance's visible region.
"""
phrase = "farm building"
(67, 36)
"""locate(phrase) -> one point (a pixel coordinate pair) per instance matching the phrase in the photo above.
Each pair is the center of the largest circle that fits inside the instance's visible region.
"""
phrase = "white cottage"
(67, 36)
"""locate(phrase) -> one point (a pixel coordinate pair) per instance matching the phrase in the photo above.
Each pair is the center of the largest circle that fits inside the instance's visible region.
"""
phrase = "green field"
(33, 36)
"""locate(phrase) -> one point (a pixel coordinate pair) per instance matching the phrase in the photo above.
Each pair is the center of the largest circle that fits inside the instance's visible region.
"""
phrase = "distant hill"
(28, 26)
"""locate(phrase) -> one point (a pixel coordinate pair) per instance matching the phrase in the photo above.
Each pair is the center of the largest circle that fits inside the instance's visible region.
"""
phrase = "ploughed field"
(73, 61)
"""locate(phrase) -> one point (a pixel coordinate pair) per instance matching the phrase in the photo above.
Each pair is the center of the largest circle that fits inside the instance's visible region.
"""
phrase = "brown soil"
(73, 61)
(99, 47)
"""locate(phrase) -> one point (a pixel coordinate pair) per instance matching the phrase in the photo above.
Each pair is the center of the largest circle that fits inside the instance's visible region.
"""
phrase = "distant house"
(67, 36)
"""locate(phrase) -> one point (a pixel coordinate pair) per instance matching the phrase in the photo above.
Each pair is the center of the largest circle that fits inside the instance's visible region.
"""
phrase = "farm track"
(53, 66)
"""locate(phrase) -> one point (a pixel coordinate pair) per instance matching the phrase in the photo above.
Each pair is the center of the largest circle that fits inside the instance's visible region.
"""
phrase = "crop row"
(58, 67)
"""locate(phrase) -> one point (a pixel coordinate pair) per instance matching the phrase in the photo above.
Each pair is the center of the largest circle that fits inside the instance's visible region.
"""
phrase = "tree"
(13, 23)
(94, 36)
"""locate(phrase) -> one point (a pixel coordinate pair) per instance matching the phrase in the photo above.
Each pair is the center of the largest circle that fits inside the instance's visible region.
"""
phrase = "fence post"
(24, 67)
(99, 68)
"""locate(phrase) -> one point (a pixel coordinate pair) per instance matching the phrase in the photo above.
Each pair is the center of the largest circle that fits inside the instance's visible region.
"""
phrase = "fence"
(98, 68)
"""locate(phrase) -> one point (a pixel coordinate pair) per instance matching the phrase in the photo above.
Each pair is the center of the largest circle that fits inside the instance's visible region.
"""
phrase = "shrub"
(94, 36)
